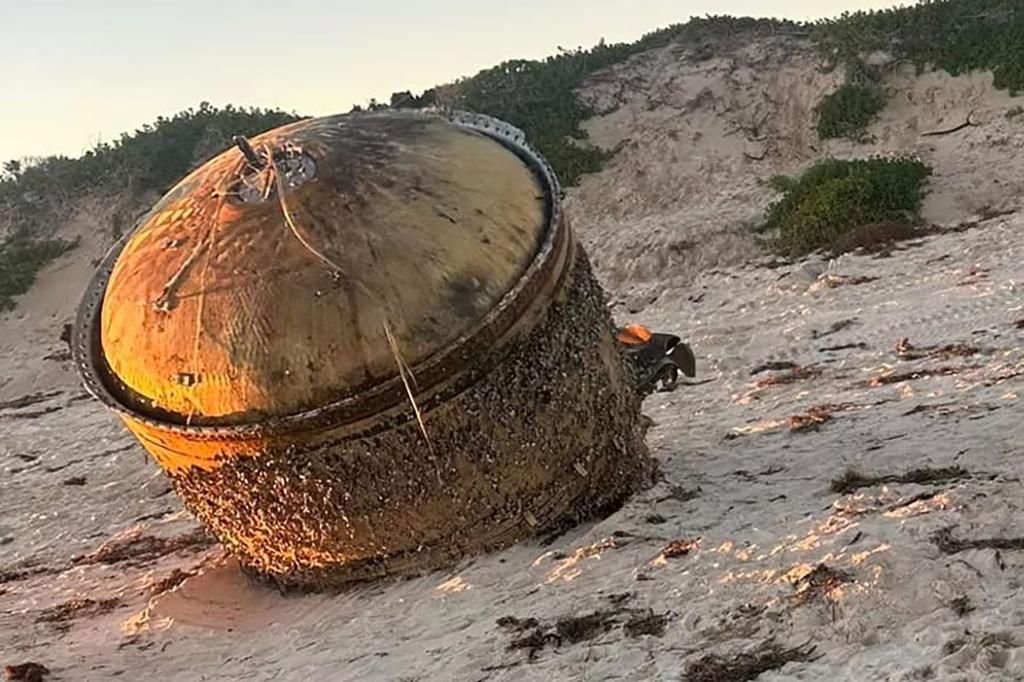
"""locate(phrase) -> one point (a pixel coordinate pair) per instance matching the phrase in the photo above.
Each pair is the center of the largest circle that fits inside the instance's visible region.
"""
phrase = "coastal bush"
(539, 96)
(40, 193)
(834, 197)
(958, 36)
(848, 111)
(21, 258)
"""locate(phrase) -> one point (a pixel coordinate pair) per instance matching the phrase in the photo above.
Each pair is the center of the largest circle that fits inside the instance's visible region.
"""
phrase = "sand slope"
(699, 138)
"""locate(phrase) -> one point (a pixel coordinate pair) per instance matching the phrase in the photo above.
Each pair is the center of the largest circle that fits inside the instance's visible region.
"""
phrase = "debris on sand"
(567, 629)
(811, 420)
(23, 570)
(834, 329)
(534, 636)
(66, 334)
(576, 629)
(62, 615)
(981, 640)
(34, 414)
(75, 481)
(534, 642)
(651, 623)
(26, 672)
(748, 666)
(903, 347)
(680, 548)
(28, 400)
(1003, 376)
(853, 480)
(517, 624)
(794, 374)
(907, 351)
(943, 409)
(898, 378)
(619, 599)
(139, 549)
(170, 581)
(774, 366)
(822, 583)
(1019, 324)
(679, 494)
(874, 237)
(948, 544)
(845, 346)
(911, 501)
(830, 281)
(961, 605)
(973, 275)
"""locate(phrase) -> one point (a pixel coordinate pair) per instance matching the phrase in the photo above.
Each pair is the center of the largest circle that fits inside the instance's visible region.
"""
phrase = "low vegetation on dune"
(849, 110)
(20, 259)
(34, 194)
(37, 195)
(958, 36)
(821, 208)
(538, 96)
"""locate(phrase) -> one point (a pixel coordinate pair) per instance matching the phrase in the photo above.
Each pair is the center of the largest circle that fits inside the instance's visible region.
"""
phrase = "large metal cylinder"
(367, 345)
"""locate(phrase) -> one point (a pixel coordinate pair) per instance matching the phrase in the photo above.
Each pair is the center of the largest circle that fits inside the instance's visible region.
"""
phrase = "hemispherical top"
(304, 266)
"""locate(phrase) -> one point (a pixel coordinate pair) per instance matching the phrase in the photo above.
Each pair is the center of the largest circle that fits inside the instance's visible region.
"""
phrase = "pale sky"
(74, 72)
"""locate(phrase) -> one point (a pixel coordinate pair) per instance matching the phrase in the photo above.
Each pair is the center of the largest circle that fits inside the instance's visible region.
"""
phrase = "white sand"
(756, 495)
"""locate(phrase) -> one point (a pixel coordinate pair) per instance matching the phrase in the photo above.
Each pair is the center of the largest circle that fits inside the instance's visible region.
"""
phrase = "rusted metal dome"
(367, 344)
(235, 301)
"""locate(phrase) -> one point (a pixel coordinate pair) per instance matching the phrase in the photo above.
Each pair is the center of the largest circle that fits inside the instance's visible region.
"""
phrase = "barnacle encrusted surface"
(549, 437)
(367, 345)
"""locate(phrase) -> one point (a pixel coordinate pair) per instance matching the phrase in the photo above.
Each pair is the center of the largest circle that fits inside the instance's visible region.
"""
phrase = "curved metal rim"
(95, 372)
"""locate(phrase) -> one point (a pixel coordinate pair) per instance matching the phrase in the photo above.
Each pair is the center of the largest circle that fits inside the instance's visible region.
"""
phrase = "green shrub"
(958, 36)
(833, 197)
(21, 258)
(781, 183)
(848, 111)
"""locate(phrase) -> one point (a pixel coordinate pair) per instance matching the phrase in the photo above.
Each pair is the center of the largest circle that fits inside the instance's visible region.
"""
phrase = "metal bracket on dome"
(657, 358)
(255, 160)
(485, 123)
(295, 167)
